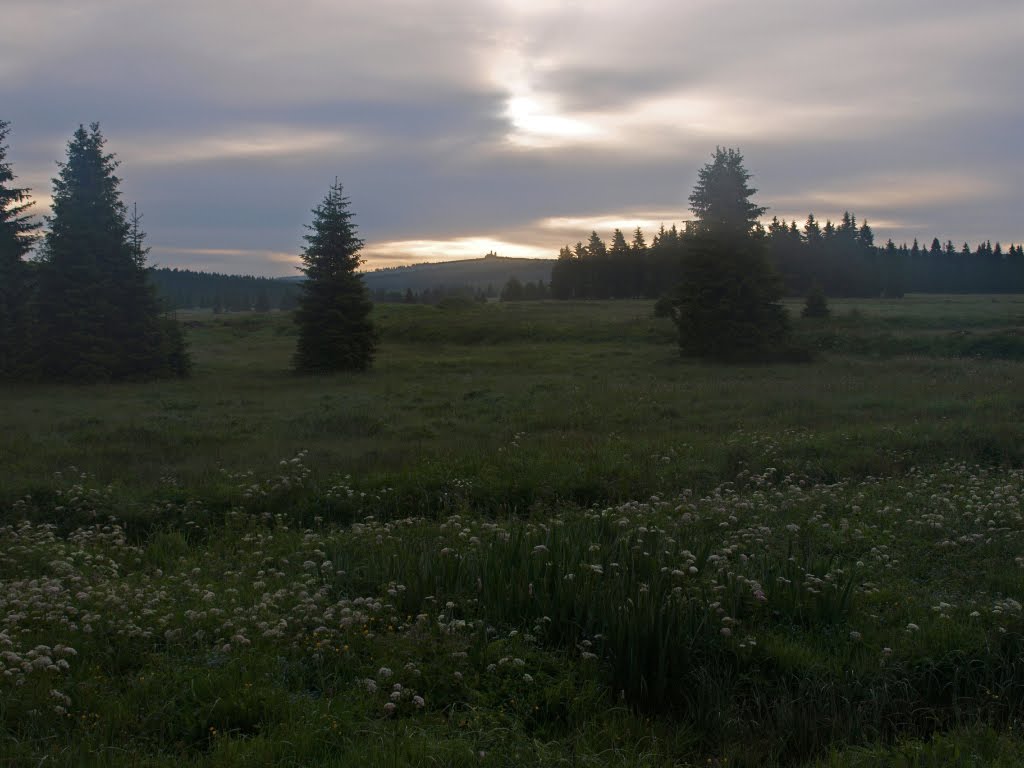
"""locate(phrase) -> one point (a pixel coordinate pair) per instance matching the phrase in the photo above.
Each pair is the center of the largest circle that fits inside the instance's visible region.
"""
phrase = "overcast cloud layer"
(461, 126)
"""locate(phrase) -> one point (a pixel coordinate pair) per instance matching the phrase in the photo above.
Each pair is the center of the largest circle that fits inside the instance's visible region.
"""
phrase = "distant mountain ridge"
(493, 271)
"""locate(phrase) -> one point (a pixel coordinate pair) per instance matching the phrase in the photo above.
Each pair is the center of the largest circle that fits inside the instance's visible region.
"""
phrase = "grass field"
(530, 535)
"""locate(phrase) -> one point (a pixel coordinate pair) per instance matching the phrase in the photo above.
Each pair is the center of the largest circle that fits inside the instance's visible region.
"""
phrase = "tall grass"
(606, 409)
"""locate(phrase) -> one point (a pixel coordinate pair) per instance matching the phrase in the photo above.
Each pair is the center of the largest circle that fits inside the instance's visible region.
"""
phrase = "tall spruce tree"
(728, 303)
(97, 314)
(17, 235)
(335, 329)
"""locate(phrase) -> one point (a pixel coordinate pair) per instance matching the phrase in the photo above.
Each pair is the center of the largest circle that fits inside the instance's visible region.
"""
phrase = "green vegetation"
(530, 534)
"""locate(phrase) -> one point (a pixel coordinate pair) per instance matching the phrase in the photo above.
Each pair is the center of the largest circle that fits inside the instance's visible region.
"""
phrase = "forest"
(191, 289)
(842, 259)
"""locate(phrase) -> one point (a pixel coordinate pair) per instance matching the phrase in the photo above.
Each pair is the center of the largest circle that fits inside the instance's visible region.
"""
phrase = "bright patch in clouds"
(648, 221)
(268, 142)
(652, 125)
(835, 216)
(535, 117)
(909, 191)
(538, 124)
(232, 261)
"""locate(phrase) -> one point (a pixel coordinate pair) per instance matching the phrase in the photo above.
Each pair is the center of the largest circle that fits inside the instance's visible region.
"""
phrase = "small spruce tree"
(335, 329)
(816, 304)
(17, 236)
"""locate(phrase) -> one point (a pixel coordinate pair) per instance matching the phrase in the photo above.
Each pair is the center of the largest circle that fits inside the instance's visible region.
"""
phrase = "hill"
(493, 271)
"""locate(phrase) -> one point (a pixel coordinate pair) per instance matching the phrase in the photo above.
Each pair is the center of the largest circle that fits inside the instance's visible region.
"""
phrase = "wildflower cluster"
(293, 474)
(418, 614)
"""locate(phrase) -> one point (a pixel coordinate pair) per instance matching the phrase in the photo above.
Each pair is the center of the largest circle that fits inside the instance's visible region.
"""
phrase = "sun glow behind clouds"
(400, 252)
(538, 124)
(535, 116)
(648, 221)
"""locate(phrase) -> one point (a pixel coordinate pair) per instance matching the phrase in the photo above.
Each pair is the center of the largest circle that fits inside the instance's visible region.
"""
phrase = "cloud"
(246, 143)
(461, 125)
(882, 191)
(226, 260)
(744, 72)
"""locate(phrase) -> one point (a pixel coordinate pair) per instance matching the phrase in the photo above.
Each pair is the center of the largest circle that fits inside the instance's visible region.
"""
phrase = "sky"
(457, 127)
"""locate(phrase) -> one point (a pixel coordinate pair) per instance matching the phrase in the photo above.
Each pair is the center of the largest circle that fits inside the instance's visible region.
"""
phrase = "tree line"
(189, 289)
(845, 261)
(842, 259)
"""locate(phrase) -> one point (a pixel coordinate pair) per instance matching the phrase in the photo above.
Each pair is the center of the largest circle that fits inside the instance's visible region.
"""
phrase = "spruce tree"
(335, 330)
(720, 200)
(816, 304)
(97, 314)
(639, 245)
(728, 304)
(17, 236)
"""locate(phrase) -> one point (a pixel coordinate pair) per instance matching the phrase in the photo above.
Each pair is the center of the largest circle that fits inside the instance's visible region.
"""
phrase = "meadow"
(530, 535)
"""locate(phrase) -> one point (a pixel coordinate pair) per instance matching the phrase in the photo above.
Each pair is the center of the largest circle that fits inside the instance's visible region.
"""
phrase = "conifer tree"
(616, 274)
(816, 304)
(812, 233)
(639, 245)
(335, 329)
(728, 304)
(98, 316)
(596, 248)
(17, 236)
(619, 247)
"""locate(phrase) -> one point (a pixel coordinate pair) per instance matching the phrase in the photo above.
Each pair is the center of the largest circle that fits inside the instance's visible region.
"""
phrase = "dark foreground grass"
(530, 536)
